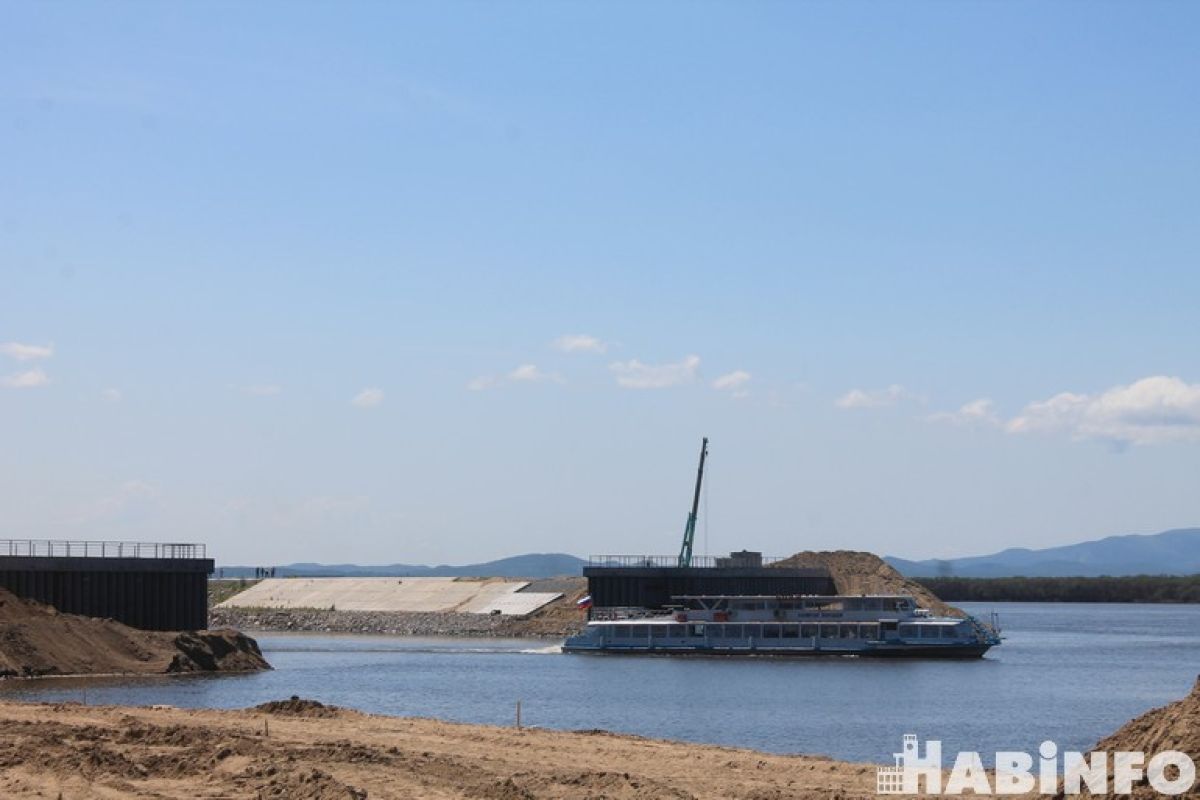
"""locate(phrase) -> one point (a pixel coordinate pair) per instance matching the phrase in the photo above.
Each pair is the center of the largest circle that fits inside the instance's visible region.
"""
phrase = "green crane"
(689, 532)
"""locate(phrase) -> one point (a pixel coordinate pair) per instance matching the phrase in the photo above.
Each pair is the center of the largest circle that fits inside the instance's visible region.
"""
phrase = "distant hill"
(529, 565)
(1174, 552)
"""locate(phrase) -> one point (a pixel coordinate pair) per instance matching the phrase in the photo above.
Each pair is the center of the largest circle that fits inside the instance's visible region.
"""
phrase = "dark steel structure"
(651, 581)
(148, 585)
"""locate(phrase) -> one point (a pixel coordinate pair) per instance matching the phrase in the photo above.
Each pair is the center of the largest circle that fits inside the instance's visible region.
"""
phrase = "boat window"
(791, 631)
(697, 630)
(908, 631)
(770, 631)
(660, 631)
(678, 630)
(808, 631)
(621, 631)
(716, 631)
(849, 631)
(929, 631)
(829, 631)
(948, 631)
(869, 631)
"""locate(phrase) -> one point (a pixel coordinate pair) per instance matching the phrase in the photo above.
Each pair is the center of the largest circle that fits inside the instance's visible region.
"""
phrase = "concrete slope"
(485, 596)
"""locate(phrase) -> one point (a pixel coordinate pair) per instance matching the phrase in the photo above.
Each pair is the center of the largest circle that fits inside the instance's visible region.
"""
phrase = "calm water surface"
(1071, 673)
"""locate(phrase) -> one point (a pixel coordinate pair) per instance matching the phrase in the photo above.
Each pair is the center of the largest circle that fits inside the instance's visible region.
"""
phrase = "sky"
(444, 282)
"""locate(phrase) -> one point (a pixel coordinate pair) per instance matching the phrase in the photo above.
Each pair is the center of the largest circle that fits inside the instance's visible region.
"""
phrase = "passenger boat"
(800, 625)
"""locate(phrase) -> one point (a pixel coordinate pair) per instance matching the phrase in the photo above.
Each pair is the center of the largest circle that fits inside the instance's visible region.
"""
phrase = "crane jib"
(689, 531)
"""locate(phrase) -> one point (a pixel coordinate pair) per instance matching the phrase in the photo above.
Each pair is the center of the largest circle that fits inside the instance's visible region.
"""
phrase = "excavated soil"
(298, 707)
(36, 639)
(73, 751)
(1172, 727)
(858, 572)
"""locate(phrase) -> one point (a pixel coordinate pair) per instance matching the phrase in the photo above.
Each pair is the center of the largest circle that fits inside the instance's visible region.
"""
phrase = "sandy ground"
(296, 751)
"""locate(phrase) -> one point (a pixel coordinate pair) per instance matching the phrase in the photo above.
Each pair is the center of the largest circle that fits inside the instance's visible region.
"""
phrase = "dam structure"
(462, 595)
(156, 586)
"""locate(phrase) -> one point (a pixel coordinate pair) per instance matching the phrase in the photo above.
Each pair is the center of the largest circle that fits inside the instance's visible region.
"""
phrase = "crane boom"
(689, 531)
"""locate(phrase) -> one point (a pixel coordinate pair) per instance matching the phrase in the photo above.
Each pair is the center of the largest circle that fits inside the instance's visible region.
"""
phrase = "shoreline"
(298, 748)
(398, 623)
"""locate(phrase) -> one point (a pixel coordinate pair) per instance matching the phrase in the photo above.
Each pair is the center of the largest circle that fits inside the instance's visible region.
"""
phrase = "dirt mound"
(1173, 727)
(298, 707)
(36, 639)
(857, 572)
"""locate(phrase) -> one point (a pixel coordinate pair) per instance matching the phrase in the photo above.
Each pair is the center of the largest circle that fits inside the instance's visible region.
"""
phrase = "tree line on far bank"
(1131, 589)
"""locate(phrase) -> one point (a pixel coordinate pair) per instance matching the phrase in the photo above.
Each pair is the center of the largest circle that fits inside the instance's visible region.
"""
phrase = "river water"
(1068, 672)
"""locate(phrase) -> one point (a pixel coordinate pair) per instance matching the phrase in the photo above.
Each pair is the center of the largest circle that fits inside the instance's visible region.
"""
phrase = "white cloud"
(112, 395)
(732, 382)
(579, 343)
(26, 352)
(634, 374)
(525, 373)
(482, 383)
(1153, 410)
(262, 390)
(368, 398)
(861, 398)
(25, 380)
(977, 413)
(529, 373)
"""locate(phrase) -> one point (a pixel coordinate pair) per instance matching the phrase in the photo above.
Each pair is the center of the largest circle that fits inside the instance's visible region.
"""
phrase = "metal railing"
(670, 561)
(74, 548)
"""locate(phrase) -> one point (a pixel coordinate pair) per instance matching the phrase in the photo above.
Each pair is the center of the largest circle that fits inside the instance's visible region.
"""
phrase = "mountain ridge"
(1172, 552)
(525, 565)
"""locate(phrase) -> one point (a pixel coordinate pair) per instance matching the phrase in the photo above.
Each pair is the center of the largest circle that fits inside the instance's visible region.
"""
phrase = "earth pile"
(858, 572)
(36, 639)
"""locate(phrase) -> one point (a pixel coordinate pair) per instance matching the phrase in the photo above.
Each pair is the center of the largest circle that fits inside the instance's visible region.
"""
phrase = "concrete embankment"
(417, 595)
(36, 639)
(556, 617)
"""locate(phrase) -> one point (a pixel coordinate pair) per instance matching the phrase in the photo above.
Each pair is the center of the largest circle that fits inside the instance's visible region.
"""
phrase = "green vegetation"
(1131, 589)
(222, 589)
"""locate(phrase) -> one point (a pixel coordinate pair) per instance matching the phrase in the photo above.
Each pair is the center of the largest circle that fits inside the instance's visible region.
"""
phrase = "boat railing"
(79, 548)
(626, 612)
(705, 562)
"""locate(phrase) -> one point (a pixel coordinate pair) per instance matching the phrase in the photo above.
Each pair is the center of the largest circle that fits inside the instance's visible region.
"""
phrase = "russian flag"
(584, 602)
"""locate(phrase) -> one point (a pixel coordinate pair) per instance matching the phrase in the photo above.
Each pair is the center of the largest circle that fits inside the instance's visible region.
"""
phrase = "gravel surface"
(403, 623)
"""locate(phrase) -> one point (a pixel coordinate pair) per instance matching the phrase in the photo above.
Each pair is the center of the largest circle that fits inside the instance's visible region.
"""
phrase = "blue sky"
(294, 279)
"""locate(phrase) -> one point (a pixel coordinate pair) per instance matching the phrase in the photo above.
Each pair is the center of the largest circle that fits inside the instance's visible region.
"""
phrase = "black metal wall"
(653, 587)
(149, 593)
